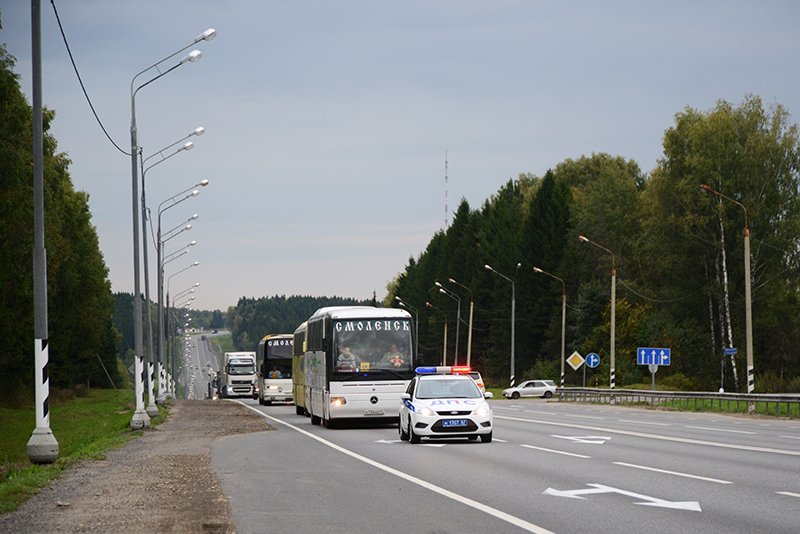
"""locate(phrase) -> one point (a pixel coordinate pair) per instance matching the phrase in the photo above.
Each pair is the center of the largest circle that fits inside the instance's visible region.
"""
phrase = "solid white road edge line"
(521, 523)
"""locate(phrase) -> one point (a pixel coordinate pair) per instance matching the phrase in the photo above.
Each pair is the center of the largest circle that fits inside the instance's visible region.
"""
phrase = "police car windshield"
(448, 388)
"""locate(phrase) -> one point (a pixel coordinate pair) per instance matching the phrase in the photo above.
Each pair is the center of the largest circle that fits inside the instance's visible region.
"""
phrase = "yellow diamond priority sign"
(575, 360)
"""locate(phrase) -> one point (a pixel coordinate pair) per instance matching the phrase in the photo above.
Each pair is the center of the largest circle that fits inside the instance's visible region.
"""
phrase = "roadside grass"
(85, 427)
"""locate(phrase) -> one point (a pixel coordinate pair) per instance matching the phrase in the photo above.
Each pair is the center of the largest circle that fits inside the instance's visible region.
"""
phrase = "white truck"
(238, 375)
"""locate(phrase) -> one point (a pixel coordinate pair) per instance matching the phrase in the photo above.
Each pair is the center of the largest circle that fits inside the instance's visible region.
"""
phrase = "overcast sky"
(327, 122)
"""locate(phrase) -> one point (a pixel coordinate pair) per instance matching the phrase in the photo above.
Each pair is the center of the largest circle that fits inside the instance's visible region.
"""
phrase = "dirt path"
(161, 482)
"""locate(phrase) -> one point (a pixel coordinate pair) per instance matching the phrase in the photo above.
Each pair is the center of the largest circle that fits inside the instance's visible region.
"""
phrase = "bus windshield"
(369, 346)
(279, 358)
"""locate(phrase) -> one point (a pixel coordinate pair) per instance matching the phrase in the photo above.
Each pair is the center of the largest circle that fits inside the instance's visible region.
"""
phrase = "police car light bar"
(442, 370)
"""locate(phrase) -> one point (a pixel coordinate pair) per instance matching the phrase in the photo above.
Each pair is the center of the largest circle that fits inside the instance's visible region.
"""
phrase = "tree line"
(677, 252)
(253, 318)
(82, 340)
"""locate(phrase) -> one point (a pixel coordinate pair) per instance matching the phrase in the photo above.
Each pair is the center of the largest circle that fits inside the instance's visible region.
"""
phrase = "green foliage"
(81, 337)
(676, 253)
(85, 427)
(252, 319)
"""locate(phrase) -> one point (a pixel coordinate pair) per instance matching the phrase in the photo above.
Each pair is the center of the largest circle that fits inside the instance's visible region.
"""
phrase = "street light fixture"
(458, 315)
(748, 308)
(563, 317)
(140, 418)
(612, 376)
(513, 307)
(444, 349)
(469, 335)
(416, 328)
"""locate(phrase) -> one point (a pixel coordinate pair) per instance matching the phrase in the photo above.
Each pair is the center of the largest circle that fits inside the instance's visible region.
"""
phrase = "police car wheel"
(401, 430)
(412, 437)
(486, 438)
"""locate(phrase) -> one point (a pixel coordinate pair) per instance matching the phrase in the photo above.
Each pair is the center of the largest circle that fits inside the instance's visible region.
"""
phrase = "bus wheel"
(328, 423)
(315, 420)
(298, 409)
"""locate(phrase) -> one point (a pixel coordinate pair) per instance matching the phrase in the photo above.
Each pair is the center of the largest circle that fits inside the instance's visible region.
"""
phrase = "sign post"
(653, 358)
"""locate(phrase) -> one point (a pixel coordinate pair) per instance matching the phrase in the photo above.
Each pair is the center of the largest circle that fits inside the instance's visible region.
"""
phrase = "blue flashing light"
(441, 370)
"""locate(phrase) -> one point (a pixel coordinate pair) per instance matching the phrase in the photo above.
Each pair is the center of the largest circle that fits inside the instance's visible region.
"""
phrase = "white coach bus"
(358, 361)
(274, 368)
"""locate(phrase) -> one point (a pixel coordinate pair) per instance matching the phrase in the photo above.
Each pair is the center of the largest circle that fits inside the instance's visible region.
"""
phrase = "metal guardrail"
(778, 405)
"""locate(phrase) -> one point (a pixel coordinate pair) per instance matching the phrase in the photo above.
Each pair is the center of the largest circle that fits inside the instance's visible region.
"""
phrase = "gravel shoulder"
(160, 482)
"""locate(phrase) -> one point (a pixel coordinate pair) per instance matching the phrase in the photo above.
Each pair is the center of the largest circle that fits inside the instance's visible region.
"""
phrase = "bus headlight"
(338, 401)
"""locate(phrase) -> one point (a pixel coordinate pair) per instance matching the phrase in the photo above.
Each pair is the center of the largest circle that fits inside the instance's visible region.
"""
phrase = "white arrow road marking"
(596, 440)
(691, 506)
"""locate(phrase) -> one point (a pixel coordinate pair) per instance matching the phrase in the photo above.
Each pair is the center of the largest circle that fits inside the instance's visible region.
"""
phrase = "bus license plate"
(373, 412)
(454, 422)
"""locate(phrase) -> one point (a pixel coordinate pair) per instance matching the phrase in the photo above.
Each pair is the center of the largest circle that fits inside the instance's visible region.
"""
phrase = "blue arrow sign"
(648, 356)
(592, 360)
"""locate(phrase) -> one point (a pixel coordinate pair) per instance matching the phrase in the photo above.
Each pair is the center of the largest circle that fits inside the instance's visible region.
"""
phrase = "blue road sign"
(592, 360)
(647, 356)
(730, 351)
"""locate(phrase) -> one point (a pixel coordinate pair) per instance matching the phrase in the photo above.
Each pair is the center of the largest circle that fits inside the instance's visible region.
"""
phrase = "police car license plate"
(373, 412)
(454, 422)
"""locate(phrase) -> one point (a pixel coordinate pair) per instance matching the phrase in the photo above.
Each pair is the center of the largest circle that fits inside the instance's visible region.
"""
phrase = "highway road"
(199, 362)
(552, 467)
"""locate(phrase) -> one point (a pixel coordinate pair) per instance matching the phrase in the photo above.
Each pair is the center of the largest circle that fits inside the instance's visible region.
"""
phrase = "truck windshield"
(248, 369)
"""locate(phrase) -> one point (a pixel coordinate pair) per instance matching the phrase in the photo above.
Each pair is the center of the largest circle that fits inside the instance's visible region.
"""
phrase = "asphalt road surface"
(552, 467)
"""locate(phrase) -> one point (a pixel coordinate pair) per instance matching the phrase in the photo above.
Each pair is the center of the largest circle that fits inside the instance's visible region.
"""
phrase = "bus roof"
(354, 312)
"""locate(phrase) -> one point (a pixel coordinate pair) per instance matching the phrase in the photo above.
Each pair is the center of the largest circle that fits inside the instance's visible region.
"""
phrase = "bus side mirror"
(326, 344)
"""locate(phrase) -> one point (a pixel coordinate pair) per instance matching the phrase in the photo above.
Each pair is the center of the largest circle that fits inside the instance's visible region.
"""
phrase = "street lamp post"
(444, 349)
(563, 317)
(140, 418)
(416, 327)
(748, 307)
(160, 253)
(469, 334)
(612, 377)
(458, 316)
(152, 409)
(195, 264)
(513, 307)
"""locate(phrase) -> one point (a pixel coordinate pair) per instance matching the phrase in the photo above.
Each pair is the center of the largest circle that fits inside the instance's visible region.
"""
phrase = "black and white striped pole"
(42, 446)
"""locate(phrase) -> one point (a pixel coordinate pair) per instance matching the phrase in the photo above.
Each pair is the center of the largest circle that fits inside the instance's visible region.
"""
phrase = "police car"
(444, 402)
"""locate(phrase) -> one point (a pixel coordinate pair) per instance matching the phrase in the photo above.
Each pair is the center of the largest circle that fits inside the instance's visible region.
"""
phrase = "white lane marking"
(554, 451)
(687, 475)
(643, 422)
(790, 437)
(655, 436)
(692, 506)
(585, 417)
(516, 521)
(788, 493)
(593, 440)
(720, 429)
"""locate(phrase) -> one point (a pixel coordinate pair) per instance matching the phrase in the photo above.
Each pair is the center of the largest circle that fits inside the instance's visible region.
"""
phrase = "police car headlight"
(483, 410)
(425, 411)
